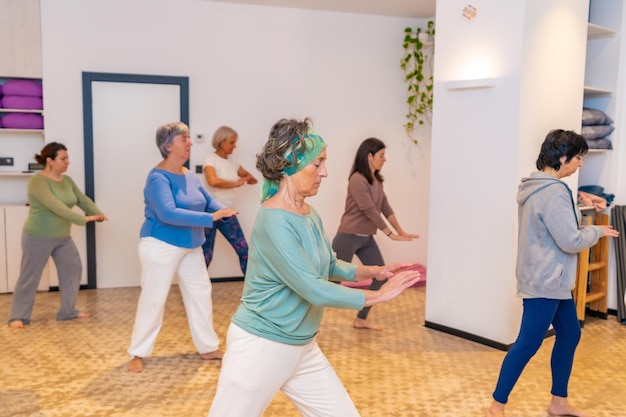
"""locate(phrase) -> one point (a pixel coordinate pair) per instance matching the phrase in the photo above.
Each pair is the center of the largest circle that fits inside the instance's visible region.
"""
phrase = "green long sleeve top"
(286, 286)
(51, 203)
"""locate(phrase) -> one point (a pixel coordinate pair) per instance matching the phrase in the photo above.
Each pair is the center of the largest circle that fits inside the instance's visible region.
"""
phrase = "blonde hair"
(221, 134)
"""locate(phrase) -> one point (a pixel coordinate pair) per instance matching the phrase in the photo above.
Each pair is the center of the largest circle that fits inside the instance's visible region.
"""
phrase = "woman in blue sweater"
(271, 341)
(549, 240)
(178, 208)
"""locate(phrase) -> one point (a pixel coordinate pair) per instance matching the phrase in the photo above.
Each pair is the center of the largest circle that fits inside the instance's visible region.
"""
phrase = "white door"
(125, 118)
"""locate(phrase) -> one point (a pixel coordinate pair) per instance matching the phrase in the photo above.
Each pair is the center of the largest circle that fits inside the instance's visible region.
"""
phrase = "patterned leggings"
(230, 228)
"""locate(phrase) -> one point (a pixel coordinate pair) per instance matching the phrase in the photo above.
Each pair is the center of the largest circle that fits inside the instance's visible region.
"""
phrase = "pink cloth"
(588, 199)
(364, 284)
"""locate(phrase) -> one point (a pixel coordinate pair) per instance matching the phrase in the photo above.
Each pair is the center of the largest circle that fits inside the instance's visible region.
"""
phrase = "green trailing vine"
(417, 65)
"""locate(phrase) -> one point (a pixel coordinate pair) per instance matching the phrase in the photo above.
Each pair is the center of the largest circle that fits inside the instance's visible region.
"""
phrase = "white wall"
(478, 159)
(250, 66)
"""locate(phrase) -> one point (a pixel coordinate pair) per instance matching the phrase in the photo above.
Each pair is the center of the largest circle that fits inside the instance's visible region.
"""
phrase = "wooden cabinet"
(593, 274)
(20, 39)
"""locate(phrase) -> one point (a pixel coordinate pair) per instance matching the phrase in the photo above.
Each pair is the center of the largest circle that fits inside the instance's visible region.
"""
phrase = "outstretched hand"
(387, 271)
(609, 231)
(96, 218)
(227, 212)
(398, 282)
(250, 179)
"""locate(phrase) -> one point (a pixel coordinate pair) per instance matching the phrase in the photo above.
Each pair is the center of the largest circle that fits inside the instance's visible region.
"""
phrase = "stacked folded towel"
(21, 95)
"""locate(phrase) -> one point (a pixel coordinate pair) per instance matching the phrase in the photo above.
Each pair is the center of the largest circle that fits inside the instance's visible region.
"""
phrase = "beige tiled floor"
(78, 368)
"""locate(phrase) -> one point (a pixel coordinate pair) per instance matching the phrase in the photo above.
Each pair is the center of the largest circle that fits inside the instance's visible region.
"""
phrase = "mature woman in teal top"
(271, 341)
(46, 233)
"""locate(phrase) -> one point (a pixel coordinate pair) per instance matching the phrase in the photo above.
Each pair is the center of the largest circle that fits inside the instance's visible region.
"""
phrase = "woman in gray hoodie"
(549, 240)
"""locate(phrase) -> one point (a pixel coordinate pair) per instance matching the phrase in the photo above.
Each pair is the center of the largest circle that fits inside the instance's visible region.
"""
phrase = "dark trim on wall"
(468, 336)
(227, 279)
(88, 78)
(473, 337)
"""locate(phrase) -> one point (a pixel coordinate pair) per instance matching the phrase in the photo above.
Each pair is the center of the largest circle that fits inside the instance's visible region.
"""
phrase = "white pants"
(255, 368)
(160, 262)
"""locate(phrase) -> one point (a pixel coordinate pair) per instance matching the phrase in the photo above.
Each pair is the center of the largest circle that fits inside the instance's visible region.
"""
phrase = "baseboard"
(227, 279)
(82, 287)
(468, 336)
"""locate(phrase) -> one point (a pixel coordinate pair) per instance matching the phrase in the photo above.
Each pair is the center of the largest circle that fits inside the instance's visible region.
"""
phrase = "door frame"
(88, 79)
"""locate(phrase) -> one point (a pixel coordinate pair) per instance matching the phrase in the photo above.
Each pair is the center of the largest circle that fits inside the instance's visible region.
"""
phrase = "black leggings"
(347, 245)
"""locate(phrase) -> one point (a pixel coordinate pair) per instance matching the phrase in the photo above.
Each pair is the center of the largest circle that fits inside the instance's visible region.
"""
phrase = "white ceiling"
(400, 8)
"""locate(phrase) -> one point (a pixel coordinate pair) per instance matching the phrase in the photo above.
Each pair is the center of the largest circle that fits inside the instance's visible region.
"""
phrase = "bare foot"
(83, 315)
(560, 407)
(360, 323)
(496, 410)
(16, 324)
(135, 365)
(212, 356)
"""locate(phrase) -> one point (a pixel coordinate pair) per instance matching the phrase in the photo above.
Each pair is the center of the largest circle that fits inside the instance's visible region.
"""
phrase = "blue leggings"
(230, 228)
(538, 314)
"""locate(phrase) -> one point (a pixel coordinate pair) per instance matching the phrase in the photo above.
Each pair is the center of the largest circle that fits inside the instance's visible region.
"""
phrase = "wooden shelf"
(594, 296)
(592, 273)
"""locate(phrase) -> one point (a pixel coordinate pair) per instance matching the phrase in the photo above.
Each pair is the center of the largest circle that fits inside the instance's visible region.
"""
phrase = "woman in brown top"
(366, 203)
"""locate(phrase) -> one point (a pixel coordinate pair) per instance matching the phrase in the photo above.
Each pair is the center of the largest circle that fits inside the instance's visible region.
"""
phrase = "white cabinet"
(4, 284)
(14, 218)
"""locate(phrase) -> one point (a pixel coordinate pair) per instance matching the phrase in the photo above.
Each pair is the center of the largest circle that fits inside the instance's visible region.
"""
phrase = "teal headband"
(314, 146)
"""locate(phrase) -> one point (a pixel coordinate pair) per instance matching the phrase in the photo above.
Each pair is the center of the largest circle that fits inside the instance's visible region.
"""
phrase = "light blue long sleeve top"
(178, 208)
(286, 287)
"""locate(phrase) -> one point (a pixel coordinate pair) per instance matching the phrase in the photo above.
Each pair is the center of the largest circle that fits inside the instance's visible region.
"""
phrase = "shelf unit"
(21, 145)
(592, 274)
(599, 93)
(603, 92)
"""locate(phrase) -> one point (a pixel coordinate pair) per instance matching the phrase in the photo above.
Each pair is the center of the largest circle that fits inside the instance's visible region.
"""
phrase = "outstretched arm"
(392, 288)
(401, 234)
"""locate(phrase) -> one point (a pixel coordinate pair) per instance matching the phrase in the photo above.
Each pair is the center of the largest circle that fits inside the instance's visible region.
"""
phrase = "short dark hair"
(560, 143)
(51, 150)
(361, 162)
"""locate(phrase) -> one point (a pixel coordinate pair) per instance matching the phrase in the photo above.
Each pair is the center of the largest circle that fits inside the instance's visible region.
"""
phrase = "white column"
(484, 140)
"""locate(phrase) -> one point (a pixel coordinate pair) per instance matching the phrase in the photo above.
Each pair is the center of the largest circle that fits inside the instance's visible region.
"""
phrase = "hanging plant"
(417, 65)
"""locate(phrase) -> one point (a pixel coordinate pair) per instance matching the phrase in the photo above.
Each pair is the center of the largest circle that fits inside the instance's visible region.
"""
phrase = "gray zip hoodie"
(549, 238)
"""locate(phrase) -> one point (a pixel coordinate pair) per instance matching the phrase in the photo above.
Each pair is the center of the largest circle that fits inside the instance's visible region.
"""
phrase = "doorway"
(121, 113)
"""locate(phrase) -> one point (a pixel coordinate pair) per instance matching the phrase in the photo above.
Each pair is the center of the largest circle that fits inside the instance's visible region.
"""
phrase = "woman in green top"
(271, 341)
(51, 196)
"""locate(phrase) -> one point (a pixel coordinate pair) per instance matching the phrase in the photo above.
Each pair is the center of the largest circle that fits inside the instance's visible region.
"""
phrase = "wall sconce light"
(467, 84)
(469, 12)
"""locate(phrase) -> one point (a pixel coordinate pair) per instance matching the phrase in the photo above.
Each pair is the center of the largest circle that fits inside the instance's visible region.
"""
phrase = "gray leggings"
(35, 254)
(347, 245)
